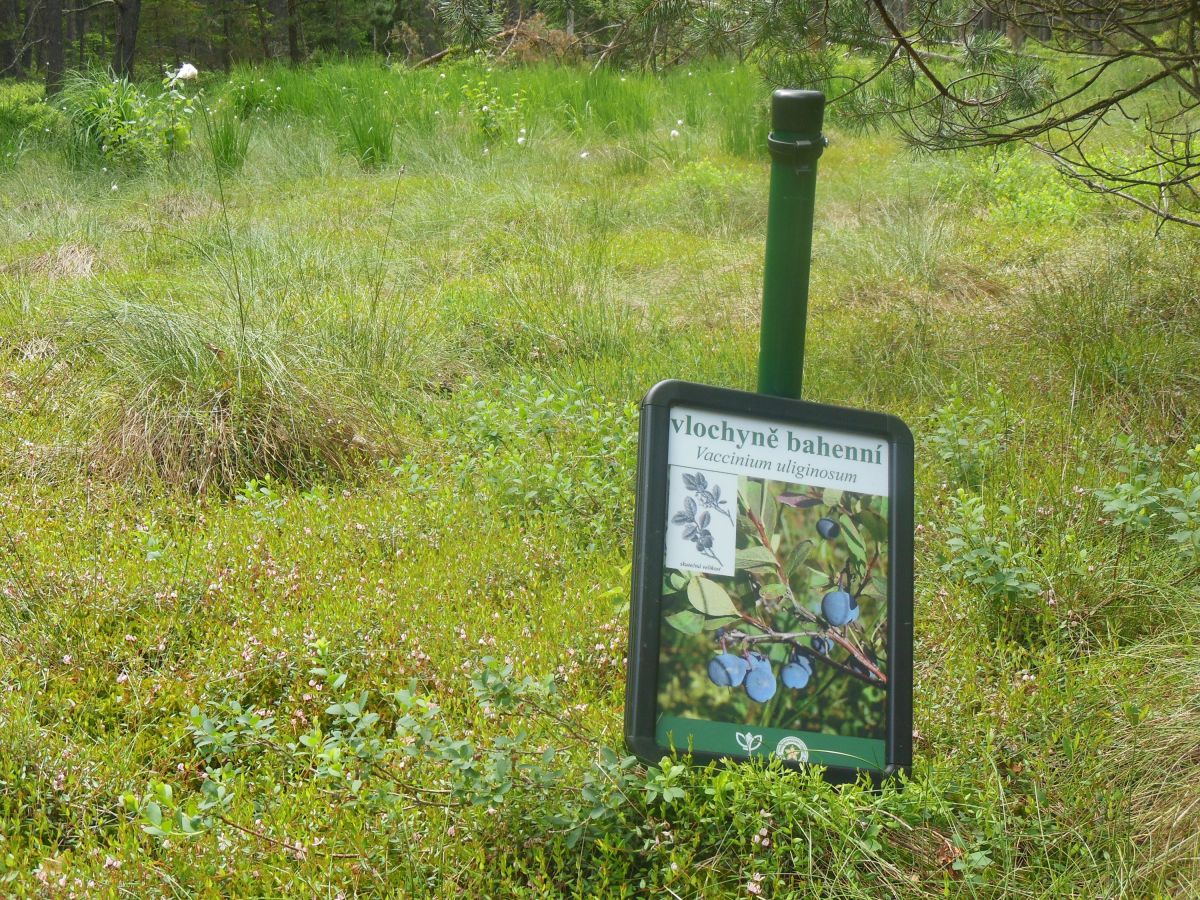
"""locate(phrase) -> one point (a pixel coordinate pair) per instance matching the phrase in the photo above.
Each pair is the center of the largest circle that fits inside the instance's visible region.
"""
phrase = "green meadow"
(318, 421)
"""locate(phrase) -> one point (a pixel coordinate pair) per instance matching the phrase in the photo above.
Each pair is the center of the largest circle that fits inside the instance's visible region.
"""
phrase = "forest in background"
(947, 74)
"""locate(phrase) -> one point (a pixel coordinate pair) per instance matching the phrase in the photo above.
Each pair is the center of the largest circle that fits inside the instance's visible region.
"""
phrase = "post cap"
(797, 111)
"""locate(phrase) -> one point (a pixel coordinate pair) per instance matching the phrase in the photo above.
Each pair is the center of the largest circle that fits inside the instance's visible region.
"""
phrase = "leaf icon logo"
(748, 741)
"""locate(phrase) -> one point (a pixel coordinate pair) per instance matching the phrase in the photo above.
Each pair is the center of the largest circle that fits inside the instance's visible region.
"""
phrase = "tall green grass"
(228, 134)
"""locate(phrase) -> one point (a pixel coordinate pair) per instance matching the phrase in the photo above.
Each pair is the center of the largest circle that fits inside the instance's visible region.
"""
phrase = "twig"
(780, 571)
(295, 849)
(771, 636)
(866, 576)
(918, 58)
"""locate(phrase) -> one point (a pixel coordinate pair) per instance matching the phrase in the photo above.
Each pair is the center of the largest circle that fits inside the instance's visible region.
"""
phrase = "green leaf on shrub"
(710, 598)
(687, 621)
(854, 541)
(758, 557)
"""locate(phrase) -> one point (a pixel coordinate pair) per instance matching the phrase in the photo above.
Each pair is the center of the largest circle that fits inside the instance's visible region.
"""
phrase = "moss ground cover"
(316, 490)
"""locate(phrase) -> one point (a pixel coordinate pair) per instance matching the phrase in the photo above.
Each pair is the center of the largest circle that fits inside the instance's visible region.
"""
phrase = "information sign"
(772, 594)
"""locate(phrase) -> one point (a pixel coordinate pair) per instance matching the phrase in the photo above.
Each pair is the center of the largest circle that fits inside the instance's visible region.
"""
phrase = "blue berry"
(822, 645)
(758, 661)
(795, 674)
(827, 528)
(838, 608)
(727, 670)
(760, 683)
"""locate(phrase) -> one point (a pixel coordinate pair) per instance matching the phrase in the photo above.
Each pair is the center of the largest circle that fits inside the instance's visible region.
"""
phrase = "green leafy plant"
(1183, 507)
(113, 120)
(263, 499)
(967, 438)
(492, 115)
(361, 749)
(1135, 503)
(542, 450)
(990, 563)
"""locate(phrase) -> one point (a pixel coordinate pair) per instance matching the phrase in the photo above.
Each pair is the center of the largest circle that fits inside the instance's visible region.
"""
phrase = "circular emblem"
(792, 748)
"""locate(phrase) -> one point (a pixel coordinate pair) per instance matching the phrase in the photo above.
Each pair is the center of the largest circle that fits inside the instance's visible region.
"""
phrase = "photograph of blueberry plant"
(796, 638)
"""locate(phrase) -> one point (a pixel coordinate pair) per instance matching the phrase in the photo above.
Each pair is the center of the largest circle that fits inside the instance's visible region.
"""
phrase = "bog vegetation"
(319, 412)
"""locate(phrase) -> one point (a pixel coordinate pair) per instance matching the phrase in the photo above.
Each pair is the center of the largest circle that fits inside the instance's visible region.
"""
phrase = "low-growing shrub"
(968, 439)
(492, 115)
(1183, 507)
(982, 556)
(536, 449)
(1148, 501)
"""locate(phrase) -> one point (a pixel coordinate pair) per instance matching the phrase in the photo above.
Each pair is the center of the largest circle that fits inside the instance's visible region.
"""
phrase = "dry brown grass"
(1158, 754)
(66, 261)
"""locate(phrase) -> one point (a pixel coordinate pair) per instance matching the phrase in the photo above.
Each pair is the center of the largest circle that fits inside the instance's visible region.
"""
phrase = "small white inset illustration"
(702, 528)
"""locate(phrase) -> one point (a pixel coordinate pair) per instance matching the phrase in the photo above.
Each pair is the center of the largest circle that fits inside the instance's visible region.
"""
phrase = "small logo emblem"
(749, 742)
(792, 748)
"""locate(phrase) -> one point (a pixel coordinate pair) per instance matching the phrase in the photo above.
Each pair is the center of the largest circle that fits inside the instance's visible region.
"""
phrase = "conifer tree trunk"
(56, 60)
(81, 38)
(10, 31)
(129, 13)
(293, 32)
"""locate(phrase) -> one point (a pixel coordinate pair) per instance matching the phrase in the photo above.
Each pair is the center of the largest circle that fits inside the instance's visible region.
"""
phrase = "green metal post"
(795, 143)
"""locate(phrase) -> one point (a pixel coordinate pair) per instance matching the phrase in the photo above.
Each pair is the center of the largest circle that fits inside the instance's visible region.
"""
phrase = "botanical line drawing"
(695, 516)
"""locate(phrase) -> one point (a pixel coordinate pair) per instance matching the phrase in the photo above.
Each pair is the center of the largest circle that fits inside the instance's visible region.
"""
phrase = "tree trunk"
(35, 35)
(10, 38)
(32, 34)
(1016, 35)
(81, 38)
(263, 30)
(226, 36)
(293, 32)
(56, 58)
(129, 12)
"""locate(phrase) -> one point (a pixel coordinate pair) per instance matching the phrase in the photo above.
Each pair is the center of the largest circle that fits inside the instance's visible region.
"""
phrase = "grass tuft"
(197, 402)
(229, 137)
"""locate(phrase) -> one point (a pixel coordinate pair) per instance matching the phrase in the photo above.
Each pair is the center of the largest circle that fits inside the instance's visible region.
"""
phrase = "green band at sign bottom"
(685, 734)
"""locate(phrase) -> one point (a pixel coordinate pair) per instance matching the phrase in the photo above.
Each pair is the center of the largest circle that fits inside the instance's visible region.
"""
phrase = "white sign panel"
(720, 444)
